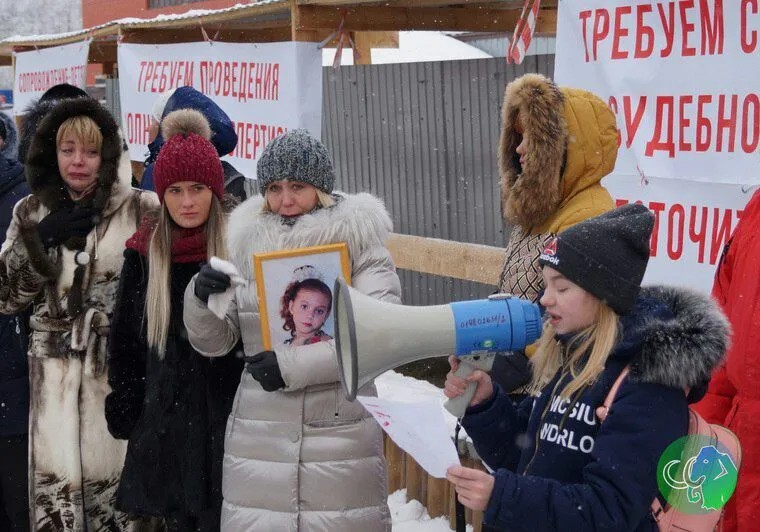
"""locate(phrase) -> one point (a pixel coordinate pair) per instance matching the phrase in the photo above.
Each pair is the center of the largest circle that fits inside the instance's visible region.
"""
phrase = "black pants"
(14, 483)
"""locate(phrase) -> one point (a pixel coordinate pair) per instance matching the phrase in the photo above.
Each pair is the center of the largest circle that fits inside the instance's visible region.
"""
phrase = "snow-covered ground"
(411, 516)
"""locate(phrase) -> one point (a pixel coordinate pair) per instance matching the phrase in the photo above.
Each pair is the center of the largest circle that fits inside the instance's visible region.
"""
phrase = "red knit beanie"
(187, 154)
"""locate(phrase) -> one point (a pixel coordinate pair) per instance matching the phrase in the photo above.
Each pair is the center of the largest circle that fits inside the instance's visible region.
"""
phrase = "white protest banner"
(38, 70)
(266, 89)
(689, 124)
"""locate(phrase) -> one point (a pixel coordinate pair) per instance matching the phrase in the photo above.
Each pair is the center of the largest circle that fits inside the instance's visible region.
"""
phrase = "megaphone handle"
(458, 405)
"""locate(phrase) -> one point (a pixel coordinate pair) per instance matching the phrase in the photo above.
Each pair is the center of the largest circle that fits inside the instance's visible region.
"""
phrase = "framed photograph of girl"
(294, 289)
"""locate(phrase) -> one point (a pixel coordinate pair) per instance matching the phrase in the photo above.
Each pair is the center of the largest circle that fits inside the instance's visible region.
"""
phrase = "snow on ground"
(411, 516)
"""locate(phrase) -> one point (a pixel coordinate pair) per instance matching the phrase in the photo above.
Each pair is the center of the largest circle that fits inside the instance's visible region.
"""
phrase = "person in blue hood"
(556, 467)
(223, 137)
(14, 371)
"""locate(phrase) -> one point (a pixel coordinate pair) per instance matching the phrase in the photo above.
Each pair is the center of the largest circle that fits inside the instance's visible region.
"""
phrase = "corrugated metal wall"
(423, 137)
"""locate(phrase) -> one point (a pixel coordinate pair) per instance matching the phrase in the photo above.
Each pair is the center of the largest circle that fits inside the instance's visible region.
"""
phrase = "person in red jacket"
(733, 397)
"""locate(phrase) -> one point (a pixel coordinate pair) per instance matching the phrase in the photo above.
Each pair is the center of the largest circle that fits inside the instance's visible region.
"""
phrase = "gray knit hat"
(298, 156)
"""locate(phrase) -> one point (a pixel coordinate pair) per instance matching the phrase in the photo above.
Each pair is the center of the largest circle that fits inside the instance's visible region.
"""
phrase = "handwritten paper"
(419, 429)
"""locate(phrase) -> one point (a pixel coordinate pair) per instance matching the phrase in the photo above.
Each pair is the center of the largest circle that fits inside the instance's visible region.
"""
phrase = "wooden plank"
(506, 4)
(177, 35)
(402, 19)
(299, 31)
(416, 481)
(437, 495)
(396, 465)
(473, 262)
(379, 39)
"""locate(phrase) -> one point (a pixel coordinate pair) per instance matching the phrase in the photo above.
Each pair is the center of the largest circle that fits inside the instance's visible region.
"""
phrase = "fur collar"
(571, 142)
(531, 193)
(361, 220)
(679, 345)
(10, 147)
(115, 176)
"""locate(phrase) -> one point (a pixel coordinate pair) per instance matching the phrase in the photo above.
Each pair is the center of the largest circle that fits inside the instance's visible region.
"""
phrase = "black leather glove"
(210, 281)
(265, 369)
(58, 226)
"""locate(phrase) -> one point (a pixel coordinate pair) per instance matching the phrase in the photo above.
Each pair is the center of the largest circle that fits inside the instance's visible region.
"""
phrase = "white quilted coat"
(302, 458)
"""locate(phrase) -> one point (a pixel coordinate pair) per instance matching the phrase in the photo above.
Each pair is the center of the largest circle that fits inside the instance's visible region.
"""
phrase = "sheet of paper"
(419, 429)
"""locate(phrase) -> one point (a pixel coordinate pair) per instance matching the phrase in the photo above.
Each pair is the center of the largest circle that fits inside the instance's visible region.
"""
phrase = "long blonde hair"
(157, 313)
(584, 356)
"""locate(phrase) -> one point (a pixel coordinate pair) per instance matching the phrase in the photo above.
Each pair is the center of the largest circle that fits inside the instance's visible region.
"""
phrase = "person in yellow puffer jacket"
(556, 145)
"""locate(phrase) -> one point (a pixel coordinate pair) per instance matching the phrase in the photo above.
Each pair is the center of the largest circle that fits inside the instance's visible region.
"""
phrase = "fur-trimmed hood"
(361, 220)
(571, 139)
(10, 147)
(114, 177)
(675, 337)
(33, 115)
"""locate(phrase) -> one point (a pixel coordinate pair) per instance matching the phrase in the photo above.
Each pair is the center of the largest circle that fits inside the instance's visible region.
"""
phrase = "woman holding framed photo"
(298, 456)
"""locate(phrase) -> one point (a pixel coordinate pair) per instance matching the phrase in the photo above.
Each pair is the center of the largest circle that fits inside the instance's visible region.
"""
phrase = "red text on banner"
(242, 80)
(714, 123)
(41, 81)
(707, 229)
(160, 76)
(137, 128)
(252, 138)
(686, 28)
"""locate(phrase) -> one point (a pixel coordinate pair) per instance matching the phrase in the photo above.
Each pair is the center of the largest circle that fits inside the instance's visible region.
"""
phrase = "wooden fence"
(473, 262)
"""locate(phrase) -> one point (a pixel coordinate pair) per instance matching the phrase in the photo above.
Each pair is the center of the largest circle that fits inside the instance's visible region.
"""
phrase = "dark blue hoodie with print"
(557, 468)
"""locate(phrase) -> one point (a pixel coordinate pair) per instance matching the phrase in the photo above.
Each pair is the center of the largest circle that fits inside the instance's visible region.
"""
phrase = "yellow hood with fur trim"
(571, 139)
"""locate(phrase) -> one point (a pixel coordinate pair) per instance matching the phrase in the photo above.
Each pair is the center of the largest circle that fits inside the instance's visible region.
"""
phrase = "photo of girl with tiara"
(294, 292)
(305, 306)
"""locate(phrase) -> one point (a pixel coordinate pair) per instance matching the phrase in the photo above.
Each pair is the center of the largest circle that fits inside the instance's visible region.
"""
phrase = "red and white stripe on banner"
(523, 34)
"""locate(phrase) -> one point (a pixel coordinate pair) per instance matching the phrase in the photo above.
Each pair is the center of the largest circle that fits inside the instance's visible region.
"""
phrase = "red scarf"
(188, 245)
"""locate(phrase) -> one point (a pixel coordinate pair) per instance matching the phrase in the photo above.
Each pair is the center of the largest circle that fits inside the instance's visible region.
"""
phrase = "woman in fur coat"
(557, 143)
(559, 462)
(169, 401)
(63, 252)
(298, 456)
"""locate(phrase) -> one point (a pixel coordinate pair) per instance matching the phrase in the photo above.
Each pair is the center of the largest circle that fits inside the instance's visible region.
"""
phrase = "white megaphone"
(372, 336)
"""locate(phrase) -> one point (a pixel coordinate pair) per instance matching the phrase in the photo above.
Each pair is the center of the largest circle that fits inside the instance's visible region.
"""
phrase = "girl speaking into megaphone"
(555, 467)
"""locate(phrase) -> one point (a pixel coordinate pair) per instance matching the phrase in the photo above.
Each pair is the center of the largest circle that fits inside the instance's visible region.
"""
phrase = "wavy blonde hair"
(157, 314)
(584, 356)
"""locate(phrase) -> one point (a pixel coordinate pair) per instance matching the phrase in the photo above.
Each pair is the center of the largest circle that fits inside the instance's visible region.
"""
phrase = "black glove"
(210, 281)
(265, 369)
(58, 226)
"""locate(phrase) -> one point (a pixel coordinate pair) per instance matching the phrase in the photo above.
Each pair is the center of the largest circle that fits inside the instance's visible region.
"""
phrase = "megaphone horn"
(373, 336)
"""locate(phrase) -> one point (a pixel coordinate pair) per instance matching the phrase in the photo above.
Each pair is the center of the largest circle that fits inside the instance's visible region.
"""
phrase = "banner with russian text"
(266, 89)
(682, 78)
(38, 70)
